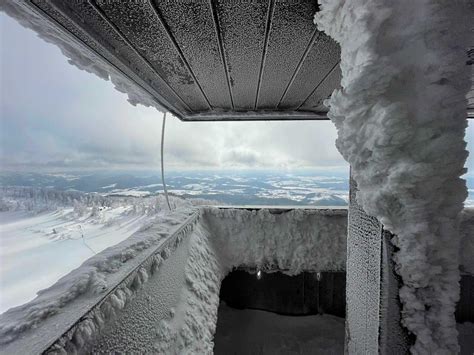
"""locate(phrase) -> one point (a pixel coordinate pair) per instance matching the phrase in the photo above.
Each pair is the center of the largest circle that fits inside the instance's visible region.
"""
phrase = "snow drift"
(401, 117)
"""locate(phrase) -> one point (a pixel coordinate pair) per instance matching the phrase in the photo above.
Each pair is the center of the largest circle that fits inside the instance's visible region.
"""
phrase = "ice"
(401, 119)
(185, 288)
(40, 228)
(292, 242)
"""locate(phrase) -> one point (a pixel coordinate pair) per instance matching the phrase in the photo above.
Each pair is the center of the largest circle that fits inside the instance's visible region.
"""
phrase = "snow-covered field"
(44, 234)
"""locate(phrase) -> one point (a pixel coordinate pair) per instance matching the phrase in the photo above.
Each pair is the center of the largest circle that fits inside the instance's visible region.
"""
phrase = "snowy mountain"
(317, 188)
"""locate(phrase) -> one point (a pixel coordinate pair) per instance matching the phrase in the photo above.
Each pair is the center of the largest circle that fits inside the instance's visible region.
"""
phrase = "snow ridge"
(401, 119)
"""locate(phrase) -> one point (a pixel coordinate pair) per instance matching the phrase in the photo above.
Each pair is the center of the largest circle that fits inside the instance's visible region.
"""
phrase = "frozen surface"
(47, 233)
(44, 234)
(401, 119)
(259, 332)
(136, 299)
(207, 254)
(363, 281)
(269, 241)
(295, 241)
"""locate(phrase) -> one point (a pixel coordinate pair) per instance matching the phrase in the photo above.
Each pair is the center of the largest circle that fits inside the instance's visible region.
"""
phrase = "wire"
(84, 240)
(162, 162)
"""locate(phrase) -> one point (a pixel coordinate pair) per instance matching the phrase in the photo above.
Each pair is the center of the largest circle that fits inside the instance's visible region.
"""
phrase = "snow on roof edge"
(79, 55)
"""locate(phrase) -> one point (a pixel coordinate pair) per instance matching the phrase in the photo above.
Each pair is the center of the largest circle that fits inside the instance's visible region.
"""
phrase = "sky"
(57, 117)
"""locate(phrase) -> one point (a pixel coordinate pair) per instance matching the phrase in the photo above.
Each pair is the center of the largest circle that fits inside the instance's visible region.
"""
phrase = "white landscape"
(319, 194)
(45, 234)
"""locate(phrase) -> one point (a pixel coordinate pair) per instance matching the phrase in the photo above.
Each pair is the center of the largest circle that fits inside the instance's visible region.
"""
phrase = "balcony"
(159, 290)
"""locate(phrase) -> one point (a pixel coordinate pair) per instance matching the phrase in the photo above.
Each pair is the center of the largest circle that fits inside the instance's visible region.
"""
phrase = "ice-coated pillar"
(373, 307)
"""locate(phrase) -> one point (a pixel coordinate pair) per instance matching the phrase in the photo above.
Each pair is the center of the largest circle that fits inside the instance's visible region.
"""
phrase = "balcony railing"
(159, 289)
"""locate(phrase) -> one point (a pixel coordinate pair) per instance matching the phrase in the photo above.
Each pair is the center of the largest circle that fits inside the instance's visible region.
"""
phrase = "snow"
(77, 54)
(191, 327)
(43, 236)
(128, 264)
(47, 233)
(289, 241)
(36, 250)
(259, 332)
(180, 282)
(208, 254)
(295, 241)
(401, 119)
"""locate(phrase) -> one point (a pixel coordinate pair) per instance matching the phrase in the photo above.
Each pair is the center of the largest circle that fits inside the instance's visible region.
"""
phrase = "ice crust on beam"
(401, 119)
(78, 55)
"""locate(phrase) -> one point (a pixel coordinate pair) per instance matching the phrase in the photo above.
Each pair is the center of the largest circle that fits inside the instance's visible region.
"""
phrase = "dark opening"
(281, 314)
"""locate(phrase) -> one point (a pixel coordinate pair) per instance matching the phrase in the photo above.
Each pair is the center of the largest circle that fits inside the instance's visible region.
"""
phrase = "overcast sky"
(55, 116)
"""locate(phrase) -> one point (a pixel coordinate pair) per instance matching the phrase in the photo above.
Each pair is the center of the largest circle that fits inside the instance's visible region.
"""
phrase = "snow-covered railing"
(86, 309)
(64, 317)
(158, 291)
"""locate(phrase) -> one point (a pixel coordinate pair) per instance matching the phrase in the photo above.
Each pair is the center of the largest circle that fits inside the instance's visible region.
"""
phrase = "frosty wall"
(291, 241)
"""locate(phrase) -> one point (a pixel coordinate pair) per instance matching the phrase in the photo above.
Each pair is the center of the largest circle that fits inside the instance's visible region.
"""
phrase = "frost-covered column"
(401, 117)
(373, 307)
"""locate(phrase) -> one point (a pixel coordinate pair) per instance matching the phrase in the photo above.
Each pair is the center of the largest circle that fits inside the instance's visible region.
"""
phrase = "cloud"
(56, 116)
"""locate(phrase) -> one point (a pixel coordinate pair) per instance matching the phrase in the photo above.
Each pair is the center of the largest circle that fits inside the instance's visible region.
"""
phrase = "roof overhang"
(208, 60)
(202, 60)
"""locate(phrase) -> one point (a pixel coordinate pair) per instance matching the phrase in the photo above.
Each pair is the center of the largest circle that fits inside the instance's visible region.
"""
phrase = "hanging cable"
(162, 162)
(84, 240)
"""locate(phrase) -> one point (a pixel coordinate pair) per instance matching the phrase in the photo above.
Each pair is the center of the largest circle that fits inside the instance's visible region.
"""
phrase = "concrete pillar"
(373, 307)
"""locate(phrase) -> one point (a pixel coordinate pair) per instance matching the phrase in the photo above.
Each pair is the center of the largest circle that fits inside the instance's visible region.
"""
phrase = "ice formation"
(401, 117)
(292, 242)
(79, 56)
(92, 277)
(99, 301)
(273, 241)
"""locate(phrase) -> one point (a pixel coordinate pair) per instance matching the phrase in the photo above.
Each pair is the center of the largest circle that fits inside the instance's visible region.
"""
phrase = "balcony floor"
(259, 332)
